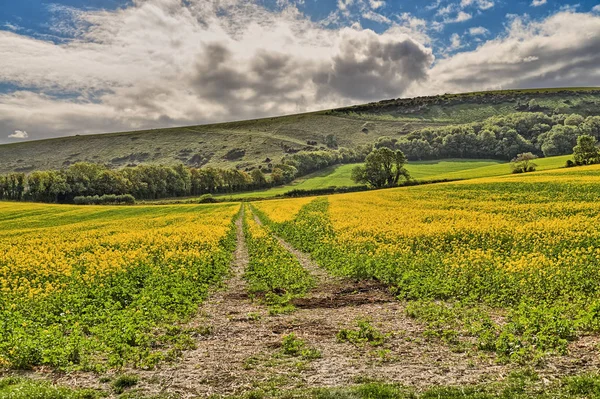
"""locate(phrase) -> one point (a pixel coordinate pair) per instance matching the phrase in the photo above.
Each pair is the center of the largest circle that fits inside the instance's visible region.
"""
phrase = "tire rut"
(333, 291)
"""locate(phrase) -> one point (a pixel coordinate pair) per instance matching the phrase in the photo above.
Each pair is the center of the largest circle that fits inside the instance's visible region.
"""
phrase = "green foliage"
(451, 322)
(365, 333)
(206, 199)
(586, 151)
(122, 382)
(127, 317)
(107, 199)
(294, 346)
(272, 270)
(383, 168)
(21, 388)
(523, 163)
(543, 307)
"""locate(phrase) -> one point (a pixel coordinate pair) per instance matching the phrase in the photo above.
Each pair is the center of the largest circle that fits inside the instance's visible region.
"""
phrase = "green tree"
(258, 178)
(383, 168)
(331, 141)
(523, 163)
(559, 140)
(574, 120)
(387, 142)
(586, 151)
(591, 126)
(277, 177)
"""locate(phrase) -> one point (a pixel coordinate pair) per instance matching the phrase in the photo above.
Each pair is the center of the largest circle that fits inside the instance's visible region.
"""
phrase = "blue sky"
(77, 67)
(37, 18)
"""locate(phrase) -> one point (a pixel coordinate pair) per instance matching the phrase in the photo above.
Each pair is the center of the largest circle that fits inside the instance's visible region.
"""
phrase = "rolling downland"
(248, 144)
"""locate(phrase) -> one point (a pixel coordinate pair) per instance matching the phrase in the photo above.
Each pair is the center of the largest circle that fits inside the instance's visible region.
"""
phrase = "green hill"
(248, 144)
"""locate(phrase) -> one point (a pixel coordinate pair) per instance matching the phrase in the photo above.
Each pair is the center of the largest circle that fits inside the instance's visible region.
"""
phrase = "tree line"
(94, 183)
(498, 137)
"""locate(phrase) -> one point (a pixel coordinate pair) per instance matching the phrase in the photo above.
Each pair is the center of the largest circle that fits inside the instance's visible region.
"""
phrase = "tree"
(558, 141)
(286, 173)
(383, 168)
(591, 126)
(258, 178)
(331, 141)
(387, 142)
(574, 120)
(586, 152)
(277, 177)
(523, 163)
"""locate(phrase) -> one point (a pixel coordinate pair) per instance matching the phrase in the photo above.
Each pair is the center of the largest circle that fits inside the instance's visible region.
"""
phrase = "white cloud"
(562, 50)
(11, 27)
(433, 6)
(373, 16)
(596, 9)
(460, 17)
(444, 11)
(455, 42)
(537, 3)
(570, 7)
(453, 9)
(343, 5)
(18, 134)
(478, 31)
(481, 4)
(160, 63)
(375, 4)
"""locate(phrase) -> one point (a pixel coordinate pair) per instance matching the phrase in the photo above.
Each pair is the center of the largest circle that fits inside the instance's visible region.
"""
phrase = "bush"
(107, 199)
(523, 163)
(207, 199)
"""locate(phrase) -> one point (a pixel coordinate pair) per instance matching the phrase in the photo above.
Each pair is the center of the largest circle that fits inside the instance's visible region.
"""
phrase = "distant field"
(500, 169)
(450, 169)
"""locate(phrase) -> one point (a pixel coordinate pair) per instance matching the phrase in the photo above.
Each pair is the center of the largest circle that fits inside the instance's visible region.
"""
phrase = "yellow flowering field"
(517, 243)
(273, 272)
(88, 287)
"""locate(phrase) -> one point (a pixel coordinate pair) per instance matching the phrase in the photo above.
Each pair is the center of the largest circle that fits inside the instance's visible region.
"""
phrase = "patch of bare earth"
(243, 351)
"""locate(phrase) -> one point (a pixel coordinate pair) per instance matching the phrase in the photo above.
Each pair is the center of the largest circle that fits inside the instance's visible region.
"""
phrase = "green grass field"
(500, 169)
(450, 169)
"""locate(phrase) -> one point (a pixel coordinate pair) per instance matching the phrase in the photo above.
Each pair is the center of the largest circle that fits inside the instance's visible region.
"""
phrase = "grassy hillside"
(248, 144)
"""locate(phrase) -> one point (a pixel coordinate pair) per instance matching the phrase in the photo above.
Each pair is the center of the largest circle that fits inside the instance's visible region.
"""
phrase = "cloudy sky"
(89, 66)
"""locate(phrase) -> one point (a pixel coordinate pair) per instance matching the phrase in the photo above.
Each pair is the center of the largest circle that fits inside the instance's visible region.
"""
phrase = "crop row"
(273, 272)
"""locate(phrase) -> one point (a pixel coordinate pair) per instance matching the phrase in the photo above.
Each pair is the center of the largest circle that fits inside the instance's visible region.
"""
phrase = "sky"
(91, 66)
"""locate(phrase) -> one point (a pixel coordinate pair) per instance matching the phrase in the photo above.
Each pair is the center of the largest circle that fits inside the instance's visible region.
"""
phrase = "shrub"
(107, 199)
(523, 163)
(207, 199)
